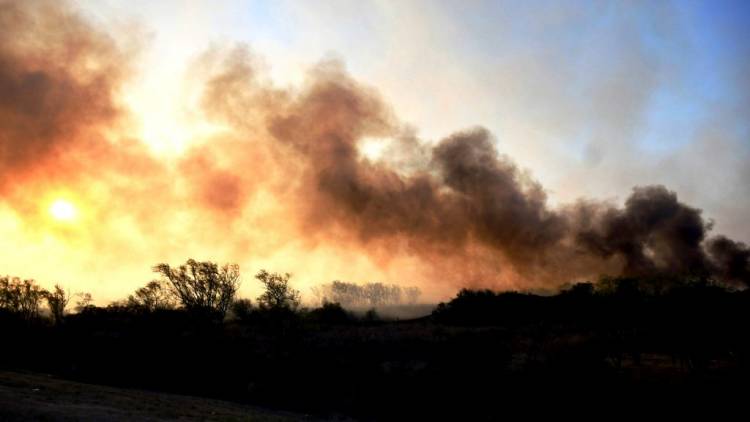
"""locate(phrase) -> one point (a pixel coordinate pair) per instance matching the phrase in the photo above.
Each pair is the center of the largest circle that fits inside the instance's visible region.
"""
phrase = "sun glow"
(62, 210)
(372, 148)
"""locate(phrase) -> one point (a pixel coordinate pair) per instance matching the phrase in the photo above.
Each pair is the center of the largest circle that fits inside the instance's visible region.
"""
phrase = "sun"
(62, 210)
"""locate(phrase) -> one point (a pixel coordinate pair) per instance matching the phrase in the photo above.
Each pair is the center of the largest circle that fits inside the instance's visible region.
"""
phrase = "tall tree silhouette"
(57, 301)
(278, 293)
(203, 286)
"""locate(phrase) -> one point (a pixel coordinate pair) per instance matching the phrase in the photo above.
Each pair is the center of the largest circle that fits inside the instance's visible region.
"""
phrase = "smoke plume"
(467, 197)
(286, 178)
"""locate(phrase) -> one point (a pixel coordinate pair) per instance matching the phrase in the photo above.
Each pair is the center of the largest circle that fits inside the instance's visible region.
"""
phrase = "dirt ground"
(26, 396)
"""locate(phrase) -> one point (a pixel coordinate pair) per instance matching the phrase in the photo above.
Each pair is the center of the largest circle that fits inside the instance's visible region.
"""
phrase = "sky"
(580, 102)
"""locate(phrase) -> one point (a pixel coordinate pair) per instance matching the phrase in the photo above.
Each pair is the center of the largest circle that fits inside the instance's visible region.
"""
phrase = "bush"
(242, 309)
(331, 313)
(203, 287)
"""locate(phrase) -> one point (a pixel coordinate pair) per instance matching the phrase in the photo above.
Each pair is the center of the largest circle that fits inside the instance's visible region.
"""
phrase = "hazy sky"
(590, 98)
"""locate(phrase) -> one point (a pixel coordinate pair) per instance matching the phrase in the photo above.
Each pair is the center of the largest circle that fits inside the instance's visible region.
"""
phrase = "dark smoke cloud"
(500, 206)
(467, 194)
(730, 259)
(653, 232)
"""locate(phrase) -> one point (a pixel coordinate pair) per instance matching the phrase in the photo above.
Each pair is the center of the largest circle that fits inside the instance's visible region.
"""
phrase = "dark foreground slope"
(623, 344)
(26, 396)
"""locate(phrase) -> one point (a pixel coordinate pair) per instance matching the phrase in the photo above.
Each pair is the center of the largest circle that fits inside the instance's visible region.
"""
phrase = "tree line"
(26, 298)
(188, 332)
(368, 295)
(197, 287)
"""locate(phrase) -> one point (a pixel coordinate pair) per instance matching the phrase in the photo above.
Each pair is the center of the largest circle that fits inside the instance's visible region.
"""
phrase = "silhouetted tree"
(348, 294)
(354, 295)
(7, 294)
(57, 301)
(83, 302)
(20, 296)
(203, 286)
(412, 294)
(155, 295)
(278, 293)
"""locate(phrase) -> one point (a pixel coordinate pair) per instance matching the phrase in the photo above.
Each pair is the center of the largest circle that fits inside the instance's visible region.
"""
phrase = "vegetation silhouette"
(368, 295)
(57, 300)
(154, 296)
(21, 297)
(242, 310)
(201, 287)
(278, 293)
(620, 339)
(84, 301)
